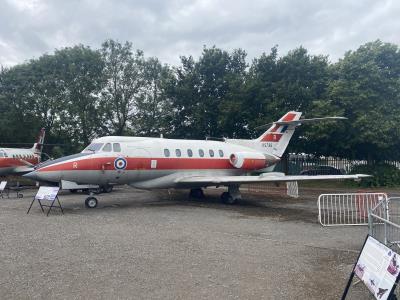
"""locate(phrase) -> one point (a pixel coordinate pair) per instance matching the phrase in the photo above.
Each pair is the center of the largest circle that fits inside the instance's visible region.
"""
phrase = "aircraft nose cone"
(44, 176)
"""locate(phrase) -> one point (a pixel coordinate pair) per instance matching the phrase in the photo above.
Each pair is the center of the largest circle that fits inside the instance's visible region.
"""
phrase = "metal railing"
(348, 209)
(384, 222)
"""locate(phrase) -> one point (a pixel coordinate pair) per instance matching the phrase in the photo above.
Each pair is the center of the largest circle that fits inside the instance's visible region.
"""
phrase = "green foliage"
(365, 88)
(383, 175)
(123, 74)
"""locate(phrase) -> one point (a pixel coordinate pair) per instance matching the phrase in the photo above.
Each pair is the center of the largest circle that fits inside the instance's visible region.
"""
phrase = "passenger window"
(117, 147)
(221, 153)
(178, 152)
(166, 153)
(107, 148)
(211, 153)
(201, 153)
(190, 152)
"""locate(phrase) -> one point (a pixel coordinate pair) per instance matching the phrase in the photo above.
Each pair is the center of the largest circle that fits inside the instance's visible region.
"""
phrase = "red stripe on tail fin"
(288, 117)
(271, 137)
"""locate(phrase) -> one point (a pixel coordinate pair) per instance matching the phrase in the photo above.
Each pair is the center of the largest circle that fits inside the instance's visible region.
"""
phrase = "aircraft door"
(140, 162)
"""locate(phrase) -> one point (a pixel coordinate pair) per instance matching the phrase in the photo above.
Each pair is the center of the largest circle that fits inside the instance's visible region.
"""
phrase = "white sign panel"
(378, 267)
(47, 193)
(3, 185)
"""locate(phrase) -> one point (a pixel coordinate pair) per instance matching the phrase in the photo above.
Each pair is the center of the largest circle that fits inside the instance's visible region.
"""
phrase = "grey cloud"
(170, 28)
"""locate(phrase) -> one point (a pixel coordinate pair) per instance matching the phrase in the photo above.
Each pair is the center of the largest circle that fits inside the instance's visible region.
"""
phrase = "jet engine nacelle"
(248, 160)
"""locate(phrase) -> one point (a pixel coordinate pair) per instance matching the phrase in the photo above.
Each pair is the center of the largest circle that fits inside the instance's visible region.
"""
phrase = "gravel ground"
(156, 245)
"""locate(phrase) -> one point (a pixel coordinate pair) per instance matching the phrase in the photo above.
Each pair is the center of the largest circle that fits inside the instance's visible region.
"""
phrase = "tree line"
(79, 93)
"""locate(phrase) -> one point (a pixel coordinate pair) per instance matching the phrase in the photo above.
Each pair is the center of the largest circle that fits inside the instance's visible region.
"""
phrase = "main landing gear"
(229, 197)
(197, 193)
(232, 195)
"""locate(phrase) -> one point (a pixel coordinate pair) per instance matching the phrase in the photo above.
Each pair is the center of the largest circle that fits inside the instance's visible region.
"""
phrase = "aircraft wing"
(268, 177)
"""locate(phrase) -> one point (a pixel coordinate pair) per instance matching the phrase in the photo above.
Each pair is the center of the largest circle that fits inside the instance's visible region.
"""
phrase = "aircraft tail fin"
(38, 146)
(277, 137)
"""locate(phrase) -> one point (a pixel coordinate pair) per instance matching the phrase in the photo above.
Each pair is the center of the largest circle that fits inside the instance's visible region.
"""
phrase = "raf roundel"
(120, 163)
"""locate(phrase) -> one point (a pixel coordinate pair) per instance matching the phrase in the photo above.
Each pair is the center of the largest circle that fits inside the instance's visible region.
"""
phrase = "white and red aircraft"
(17, 161)
(156, 163)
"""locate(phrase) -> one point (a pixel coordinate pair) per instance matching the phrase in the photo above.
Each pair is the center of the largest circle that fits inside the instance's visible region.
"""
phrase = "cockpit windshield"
(93, 147)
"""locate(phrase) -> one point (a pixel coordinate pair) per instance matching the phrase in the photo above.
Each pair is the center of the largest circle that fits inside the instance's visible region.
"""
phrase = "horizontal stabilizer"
(300, 121)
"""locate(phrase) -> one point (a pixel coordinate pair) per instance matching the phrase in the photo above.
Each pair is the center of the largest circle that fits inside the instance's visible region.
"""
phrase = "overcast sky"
(170, 28)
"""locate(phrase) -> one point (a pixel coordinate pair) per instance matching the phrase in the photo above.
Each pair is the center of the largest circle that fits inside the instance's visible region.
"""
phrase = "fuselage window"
(178, 152)
(107, 148)
(166, 152)
(221, 153)
(117, 147)
(201, 153)
(211, 153)
(190, 152)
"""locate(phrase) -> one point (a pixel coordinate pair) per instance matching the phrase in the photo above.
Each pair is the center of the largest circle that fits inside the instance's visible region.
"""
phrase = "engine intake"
(248, 160)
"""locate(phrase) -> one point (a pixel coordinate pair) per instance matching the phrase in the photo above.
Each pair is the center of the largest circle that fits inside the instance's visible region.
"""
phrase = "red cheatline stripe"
(8, 162)
(107, 163)
(272, 137)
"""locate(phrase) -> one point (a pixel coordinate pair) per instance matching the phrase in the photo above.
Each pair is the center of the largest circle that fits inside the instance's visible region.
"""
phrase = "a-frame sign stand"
(47, 193)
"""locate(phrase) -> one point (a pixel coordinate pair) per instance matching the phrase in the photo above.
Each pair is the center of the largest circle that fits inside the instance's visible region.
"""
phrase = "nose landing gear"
(91, 202)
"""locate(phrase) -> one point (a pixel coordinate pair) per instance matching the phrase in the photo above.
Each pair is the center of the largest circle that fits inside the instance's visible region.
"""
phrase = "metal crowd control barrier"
(384, 222)
(348, 209)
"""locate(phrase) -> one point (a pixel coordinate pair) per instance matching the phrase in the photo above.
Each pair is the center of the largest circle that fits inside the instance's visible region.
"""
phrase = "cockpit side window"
(93, 147)
(117, 147)
(107, 148)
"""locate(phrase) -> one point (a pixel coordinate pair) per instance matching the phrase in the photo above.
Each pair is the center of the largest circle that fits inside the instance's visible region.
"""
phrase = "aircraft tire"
(227, 198)
(197, 193)
(91, 202)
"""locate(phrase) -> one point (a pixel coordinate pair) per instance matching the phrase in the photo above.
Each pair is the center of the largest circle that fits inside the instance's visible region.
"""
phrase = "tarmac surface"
(155, 245)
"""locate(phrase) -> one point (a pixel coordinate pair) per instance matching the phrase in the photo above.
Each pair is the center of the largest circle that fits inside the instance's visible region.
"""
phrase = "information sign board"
(48, 193)
(378, 268)
(3, 185)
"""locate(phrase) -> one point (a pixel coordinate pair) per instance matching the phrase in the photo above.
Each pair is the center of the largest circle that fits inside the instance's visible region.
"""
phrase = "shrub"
(383, 175)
